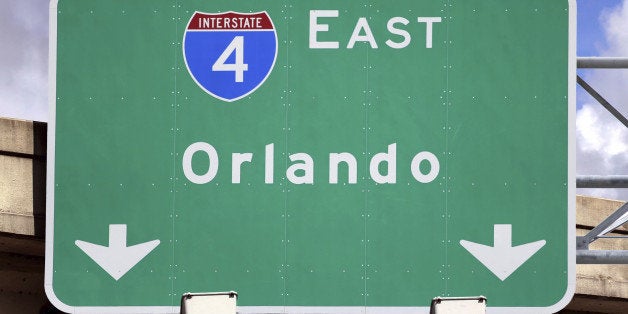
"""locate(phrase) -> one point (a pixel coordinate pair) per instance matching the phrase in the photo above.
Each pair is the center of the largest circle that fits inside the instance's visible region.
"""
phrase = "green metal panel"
(489, 99)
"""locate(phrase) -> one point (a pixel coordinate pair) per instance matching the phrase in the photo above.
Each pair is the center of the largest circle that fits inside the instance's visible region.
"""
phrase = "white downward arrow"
(502, 258)
(117, 259)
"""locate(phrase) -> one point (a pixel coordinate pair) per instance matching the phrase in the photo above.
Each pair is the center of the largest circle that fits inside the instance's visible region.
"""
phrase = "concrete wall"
(22, 216)
(601, 280)
(23, 179)
(600, 288)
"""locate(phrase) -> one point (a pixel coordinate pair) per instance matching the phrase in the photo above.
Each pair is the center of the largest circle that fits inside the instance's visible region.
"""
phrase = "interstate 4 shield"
(231, 54)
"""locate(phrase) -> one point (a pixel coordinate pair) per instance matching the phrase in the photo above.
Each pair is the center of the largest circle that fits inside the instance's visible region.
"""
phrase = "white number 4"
(236, 46)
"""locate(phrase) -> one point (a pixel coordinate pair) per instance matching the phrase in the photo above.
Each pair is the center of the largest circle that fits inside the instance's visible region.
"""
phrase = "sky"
(602, 142)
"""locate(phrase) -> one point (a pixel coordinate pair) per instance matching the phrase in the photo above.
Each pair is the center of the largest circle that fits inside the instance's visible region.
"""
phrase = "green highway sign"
(314, 156)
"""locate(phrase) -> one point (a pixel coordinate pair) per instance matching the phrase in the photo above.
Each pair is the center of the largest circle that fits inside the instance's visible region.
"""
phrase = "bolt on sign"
(314, 156)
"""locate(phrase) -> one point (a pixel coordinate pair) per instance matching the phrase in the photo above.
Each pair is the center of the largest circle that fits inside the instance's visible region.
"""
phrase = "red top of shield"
(230, 21)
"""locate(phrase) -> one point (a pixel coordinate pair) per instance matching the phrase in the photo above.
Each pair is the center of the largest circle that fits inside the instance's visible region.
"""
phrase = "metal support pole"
(602, 228)
(602, 101)
(601, 257)
(602, 181)
(602, 63)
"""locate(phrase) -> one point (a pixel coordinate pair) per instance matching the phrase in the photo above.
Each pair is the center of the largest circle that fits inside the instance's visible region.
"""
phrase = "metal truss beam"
(601, 257)
(620, 216)
(602, 63)
(602, 182)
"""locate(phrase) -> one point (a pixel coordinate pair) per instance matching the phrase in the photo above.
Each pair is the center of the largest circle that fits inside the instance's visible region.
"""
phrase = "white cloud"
(596, 135)
(615, 23)
(602, 141)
